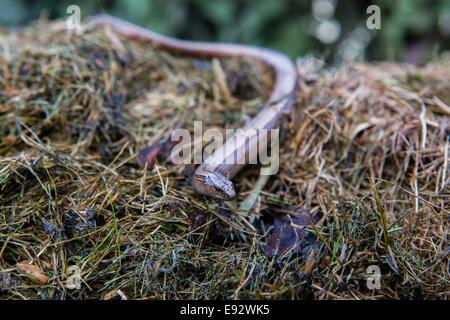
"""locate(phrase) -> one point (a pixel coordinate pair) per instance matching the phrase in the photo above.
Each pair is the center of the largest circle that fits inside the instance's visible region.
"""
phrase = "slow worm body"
(212, 178)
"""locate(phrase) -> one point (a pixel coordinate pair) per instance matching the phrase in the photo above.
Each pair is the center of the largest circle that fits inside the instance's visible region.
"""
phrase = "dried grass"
(366, 151)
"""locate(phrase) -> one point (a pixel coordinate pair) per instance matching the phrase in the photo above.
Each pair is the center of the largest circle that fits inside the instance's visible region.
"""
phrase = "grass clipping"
(366, 152)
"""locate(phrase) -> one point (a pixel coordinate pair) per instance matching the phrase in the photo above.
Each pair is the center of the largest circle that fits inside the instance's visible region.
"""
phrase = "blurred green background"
(411, 30)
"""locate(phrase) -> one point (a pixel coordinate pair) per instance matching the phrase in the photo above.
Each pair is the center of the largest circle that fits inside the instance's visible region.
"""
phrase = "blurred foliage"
(411, 30)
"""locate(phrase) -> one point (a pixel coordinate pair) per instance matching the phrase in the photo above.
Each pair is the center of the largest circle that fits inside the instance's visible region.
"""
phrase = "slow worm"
(212, 177)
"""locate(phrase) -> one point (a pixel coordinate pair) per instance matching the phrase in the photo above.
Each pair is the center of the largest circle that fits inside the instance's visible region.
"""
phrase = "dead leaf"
(160, 150)
(34, 272)
(289, 234)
